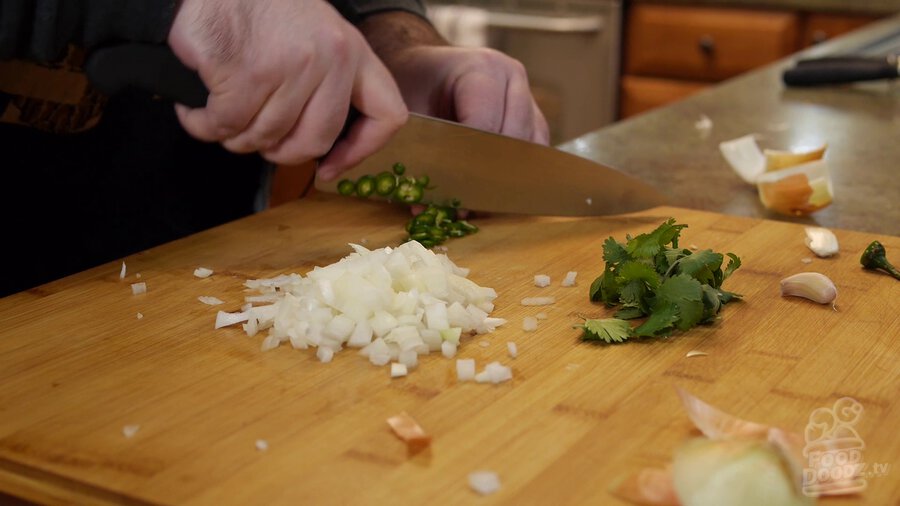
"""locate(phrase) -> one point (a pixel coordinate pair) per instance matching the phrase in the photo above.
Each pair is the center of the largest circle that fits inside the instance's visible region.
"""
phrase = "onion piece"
(209, 300)
(821, 241)
(696, 353)
(744, 157)
(224, 319)
(130, 430)
(538, 301)
(512, 349)
(398, 370)
(140, 316)
(123, 271)
(202, 272)
(407, 429)
(569, 280)
(529, 324)
(484, 482)
(541, 280)
(138, 288)
(465, 369)
(261, 445)
(648, 486)
(716, 424)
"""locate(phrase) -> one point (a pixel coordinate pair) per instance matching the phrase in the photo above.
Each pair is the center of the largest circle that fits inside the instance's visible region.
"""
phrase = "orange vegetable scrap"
(407, 429)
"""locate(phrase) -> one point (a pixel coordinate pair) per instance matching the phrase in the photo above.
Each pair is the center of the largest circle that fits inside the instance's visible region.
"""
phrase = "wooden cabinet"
(673, 51)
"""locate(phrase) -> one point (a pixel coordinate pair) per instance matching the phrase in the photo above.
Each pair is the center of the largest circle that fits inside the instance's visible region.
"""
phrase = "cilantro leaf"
(613, 252)
(701, 266)
(648, 245)
(686, 294)
(734, 263)
(660, 323)
(629, 313)
(638, 271)
(609, 330)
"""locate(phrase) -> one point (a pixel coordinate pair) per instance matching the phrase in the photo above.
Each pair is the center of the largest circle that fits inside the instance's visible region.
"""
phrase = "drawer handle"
(707, 45)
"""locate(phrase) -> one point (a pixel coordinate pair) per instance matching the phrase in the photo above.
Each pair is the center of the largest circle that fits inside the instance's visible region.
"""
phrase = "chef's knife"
(841, 69)
(485, 171)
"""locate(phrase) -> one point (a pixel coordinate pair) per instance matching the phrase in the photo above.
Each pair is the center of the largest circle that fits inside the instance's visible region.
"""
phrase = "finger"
(276, 119)
(230, 107)
(318, 124)
(382, 112)
(518, 117)
(480, 100)
(540, 131)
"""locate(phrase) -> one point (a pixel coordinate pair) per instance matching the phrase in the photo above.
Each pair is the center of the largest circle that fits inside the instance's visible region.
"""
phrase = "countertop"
(859, 122)
(837, 6)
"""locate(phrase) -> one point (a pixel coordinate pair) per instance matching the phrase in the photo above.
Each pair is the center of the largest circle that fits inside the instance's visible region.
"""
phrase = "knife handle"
(147, 67)
(155, 69)
(838, 70)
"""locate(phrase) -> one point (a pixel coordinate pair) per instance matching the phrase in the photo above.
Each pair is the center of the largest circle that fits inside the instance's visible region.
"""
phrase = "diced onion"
(821, 241)
(542, 280)
(465, 369)
(696, 353)
(130, 430)
(484, 482)
(262, 445)
(123, 271)
(138, 288)
(224, 319)
(538, 301)
(139, 316)
(398, 370)
(324, 354)
(529, 324)
(212, 301)
(541, 316)
(448, 349)
(569, 280)
(202, 272)
(512, 349)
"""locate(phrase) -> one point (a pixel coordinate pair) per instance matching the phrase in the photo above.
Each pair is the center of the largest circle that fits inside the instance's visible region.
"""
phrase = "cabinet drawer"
(821, 27)
(641, 94)
(706, 43)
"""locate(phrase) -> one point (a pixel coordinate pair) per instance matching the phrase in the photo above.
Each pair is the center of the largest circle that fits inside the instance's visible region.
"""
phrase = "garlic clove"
(821, 241)
(809, 285)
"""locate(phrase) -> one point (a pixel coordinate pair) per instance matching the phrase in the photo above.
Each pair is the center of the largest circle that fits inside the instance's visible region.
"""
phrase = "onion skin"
(733, 472)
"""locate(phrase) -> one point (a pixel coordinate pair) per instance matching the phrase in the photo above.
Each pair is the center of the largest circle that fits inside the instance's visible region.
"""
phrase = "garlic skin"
(809, 285)
(821, 241)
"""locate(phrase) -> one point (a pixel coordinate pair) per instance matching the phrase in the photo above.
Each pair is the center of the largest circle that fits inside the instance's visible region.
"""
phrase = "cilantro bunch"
(650, 276)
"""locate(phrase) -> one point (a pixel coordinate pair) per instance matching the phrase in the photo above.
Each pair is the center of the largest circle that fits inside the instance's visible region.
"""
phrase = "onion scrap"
(406, 428)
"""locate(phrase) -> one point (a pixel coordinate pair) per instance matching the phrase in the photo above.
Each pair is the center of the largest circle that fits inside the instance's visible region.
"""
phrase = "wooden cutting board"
(77, 365)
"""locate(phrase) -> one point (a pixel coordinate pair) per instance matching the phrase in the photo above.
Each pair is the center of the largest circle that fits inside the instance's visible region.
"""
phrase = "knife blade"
(485, 171)
(492, 172)
(841, 70)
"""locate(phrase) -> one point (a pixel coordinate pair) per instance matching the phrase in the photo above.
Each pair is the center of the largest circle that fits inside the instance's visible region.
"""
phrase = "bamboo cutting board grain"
(77, 365)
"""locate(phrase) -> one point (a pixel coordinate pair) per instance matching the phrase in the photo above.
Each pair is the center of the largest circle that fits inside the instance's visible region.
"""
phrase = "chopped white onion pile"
(202, 272)
(538, 301)
(541, 280)
(393, 303)
(495, 372)
(212, 301)
(130, 430)
(262, 445)
(529, 324)
(138, 288)
(484, 482)
(123, 271)
(569, 280)
(512, 349)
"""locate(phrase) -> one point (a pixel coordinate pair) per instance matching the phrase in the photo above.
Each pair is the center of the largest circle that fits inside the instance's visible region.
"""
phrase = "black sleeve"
(41, 30)
(356, 10)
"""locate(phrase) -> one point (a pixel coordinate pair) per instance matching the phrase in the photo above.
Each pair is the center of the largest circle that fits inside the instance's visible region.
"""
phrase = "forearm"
(42, 29)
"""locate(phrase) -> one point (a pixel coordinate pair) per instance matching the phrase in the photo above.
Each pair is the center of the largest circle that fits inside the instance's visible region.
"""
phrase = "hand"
(282, 75)
(479, 87)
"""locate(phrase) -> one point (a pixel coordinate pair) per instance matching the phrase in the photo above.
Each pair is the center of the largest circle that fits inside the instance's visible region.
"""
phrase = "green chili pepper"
(346, 187)
(408, 193)
(399, 168)
(365, 186)
(423, 181)
(385, 183)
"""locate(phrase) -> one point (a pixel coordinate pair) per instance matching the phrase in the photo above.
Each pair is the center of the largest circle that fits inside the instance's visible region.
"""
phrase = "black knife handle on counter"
(153, 69)
(840, 70)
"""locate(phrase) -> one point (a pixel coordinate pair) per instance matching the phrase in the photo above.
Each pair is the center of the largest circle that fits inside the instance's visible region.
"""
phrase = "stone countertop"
(838, 6)
(860, 123)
